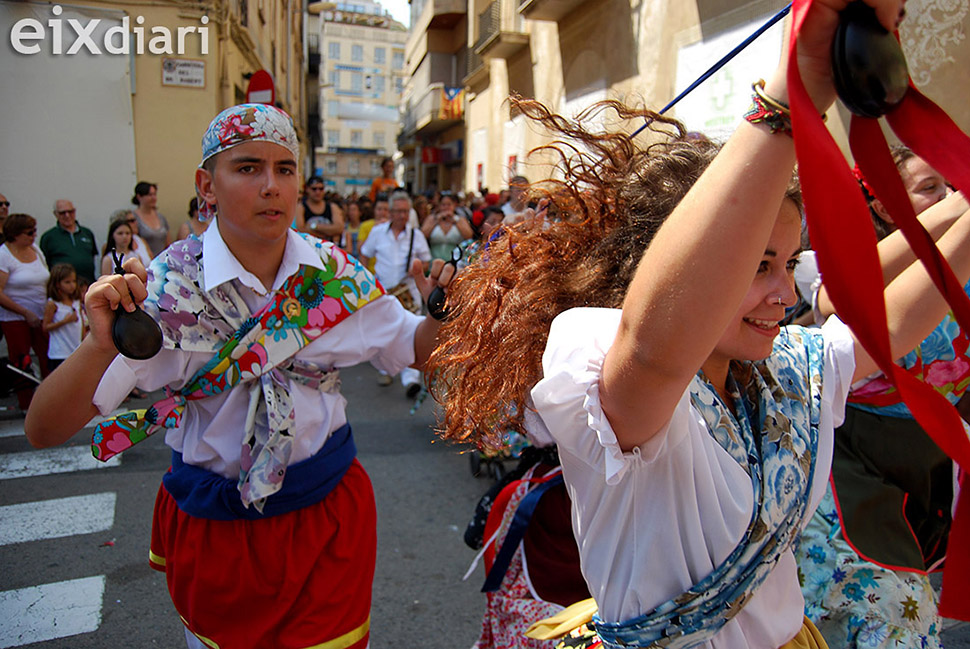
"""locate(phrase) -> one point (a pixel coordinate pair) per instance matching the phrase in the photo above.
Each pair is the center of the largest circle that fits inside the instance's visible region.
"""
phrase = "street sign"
(261, 89)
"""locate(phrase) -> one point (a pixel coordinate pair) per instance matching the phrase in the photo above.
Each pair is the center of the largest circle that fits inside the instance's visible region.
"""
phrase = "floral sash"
(774, 438)
(258, 350)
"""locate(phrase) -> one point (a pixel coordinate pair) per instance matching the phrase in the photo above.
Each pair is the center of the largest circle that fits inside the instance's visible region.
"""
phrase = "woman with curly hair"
(695, 434)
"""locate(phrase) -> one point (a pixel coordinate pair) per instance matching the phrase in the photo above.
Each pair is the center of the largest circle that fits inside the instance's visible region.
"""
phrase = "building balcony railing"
(477, 69)
(500, 31)
(547, 9)
(426, 117)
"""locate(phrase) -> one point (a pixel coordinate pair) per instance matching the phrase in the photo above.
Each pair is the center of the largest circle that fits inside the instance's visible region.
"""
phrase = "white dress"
(652, 522)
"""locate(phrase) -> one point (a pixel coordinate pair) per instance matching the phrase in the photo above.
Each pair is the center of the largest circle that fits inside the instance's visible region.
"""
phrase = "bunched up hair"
(614, 196)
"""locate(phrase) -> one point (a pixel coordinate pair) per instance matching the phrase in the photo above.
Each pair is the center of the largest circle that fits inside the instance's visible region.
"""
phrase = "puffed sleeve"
(568, 400)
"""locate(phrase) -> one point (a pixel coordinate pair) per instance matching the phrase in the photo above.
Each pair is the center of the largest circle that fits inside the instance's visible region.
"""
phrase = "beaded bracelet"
(769, 111)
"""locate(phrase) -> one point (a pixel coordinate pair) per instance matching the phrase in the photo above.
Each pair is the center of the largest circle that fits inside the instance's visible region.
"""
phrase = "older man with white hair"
(396, 244)
(69, 242)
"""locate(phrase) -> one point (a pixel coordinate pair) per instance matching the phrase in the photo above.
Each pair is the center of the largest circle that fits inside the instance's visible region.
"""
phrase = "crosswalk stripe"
(56, 518)
(51, 460)
(50, 611)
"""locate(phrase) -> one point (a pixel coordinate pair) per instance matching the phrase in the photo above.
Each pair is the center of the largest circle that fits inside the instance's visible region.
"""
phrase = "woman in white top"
(23, 292)
(695, 440)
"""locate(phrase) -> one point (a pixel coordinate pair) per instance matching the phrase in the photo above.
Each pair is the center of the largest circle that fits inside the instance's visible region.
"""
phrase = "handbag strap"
(407, 264)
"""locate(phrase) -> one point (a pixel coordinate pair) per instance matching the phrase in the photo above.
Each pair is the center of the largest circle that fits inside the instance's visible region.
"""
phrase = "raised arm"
(895, 253)
(693, 276)
(913, 305)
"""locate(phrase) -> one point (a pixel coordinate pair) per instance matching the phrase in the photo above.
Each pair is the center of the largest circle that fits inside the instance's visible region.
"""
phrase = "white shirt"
(391, 253)
(26, 283)
(652, 522)
(66, 338)
(210, 436)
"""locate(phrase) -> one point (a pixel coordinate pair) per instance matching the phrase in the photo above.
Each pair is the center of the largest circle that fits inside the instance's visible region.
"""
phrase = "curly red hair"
(614, 196)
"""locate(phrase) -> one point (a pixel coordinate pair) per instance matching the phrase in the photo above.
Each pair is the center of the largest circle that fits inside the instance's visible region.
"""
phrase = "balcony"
(500, 31)
(547, 9)
(477, 70)
(424, 118)
(445, 14)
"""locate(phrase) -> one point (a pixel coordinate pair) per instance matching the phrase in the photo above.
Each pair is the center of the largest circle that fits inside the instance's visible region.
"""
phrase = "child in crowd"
(265, 526)
(63, 318)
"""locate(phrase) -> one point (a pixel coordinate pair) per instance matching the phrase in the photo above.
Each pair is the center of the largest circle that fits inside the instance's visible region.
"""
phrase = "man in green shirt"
(68, 242)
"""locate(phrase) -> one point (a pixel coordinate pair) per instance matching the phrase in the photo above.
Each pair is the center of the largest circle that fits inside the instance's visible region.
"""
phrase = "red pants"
(21, 338)
(287, 582)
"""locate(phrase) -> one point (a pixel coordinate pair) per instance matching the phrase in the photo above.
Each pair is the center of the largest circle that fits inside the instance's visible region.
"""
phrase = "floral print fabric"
(257, 350)
(775, 439)
(858, 604)
(940, 361)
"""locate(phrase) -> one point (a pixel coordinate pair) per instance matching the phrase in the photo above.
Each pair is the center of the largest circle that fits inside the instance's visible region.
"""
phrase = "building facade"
(569, 54)
(361, 78)
(432, 138)
(90, 119)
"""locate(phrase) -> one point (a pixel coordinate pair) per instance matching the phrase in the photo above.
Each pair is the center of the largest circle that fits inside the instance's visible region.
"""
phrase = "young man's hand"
(441, 275)
(107, 294)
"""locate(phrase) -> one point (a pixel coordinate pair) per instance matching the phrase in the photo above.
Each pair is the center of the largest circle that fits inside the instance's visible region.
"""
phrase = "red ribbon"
(845, 247)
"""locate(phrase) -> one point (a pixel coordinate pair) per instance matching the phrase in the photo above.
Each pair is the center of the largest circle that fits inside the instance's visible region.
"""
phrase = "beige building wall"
(641, 52)
(168, 120)
(358, 98)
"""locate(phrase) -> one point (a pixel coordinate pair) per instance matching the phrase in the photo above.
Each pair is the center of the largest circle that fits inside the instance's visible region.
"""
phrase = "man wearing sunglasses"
(69, 242)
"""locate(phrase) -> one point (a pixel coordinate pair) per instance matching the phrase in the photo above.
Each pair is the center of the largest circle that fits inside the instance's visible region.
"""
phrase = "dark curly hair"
(615, 193)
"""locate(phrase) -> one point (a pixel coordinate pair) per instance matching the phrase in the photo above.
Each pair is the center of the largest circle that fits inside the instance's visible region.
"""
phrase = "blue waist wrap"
(203, 494)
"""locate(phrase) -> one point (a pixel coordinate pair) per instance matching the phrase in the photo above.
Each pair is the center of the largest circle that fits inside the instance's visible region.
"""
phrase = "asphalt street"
(74, 535)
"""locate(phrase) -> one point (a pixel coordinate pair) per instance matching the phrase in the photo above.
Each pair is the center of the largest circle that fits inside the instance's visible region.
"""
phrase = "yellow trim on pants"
(158, 560)
(346, 640)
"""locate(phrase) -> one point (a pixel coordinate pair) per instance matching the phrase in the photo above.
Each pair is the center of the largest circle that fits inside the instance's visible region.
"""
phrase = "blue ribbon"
(523, 514)
(720, 64)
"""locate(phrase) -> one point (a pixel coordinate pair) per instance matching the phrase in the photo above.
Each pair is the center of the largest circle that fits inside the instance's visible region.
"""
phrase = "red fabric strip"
(845, 247)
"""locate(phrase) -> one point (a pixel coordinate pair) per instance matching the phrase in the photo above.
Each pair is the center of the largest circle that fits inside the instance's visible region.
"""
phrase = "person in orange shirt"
(385, 182)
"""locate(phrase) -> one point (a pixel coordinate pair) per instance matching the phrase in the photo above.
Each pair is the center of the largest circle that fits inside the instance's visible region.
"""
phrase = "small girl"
(119, 240)
(63, 321)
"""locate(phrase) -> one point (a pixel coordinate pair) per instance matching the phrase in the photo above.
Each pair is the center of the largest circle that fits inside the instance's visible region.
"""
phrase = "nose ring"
(779, 300)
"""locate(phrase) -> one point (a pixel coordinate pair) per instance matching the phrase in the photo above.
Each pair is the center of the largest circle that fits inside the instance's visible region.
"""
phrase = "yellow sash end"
(564, 621)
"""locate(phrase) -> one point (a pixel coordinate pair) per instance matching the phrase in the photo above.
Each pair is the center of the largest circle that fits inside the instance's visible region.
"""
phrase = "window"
(332, 108)
(354, 168)
(356, 138)
(335, 78)
(356, 81)
(375, 167)
(356, 52)
(333, 137)
(398, 84)
(333, 50)
(398, 61)
(379, 144)
(380, 55)
(380, 83)
(331, 167)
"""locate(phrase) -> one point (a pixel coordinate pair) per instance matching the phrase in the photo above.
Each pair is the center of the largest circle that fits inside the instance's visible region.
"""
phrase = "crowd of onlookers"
(42, 282)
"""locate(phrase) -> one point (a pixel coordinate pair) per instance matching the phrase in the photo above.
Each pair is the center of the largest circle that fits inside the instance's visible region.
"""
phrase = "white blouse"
(211, 433)
(652, 522)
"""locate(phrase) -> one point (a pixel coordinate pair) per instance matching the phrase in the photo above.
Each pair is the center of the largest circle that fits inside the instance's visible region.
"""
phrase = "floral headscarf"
(246, 123)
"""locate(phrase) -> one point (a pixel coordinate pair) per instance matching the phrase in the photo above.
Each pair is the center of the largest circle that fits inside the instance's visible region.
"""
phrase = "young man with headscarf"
(265, 525)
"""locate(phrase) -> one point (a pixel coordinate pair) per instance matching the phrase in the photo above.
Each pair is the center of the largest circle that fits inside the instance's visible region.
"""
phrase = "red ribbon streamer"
(845, 246)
